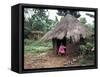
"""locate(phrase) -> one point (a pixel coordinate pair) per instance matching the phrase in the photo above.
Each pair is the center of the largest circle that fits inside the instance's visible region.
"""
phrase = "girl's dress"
(61, 49)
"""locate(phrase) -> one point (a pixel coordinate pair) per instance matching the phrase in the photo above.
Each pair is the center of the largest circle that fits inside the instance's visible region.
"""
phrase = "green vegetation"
(35, 47)
(39, 21)
(90, 26)
(83, 20)
(87, 49)
(87, 54)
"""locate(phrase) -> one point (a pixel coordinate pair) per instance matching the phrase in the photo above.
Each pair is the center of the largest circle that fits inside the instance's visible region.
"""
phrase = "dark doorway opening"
(61, 41)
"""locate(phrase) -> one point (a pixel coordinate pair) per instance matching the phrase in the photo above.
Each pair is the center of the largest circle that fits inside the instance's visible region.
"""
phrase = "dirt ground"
(48, 60)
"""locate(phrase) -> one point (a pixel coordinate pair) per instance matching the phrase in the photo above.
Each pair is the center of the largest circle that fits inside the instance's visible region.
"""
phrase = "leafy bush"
(86, 48)
(35, 47)
(27, 42)
(86, 53)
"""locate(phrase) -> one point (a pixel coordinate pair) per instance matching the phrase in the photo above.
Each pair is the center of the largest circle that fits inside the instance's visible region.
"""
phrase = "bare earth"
(48, 60)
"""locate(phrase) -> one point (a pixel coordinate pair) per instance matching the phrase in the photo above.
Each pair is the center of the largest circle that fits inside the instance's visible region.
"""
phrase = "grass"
(87, 59)
(35, 47)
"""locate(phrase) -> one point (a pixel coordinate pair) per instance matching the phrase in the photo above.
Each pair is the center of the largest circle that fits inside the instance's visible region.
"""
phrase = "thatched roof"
(69, 26)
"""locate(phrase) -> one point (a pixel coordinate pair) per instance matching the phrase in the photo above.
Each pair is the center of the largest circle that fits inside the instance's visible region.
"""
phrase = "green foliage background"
(39, 21)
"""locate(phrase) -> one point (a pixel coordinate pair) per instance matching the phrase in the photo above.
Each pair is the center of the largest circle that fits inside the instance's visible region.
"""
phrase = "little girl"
(61, 49)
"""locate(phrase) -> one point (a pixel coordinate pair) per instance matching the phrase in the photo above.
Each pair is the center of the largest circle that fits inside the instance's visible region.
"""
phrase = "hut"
(69, 31)
(35, 35)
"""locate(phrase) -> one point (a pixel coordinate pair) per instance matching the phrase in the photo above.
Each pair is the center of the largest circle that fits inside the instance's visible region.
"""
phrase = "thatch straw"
(69, 26)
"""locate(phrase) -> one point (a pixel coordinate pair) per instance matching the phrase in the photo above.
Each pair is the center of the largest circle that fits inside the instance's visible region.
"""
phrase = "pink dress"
(61, 49)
